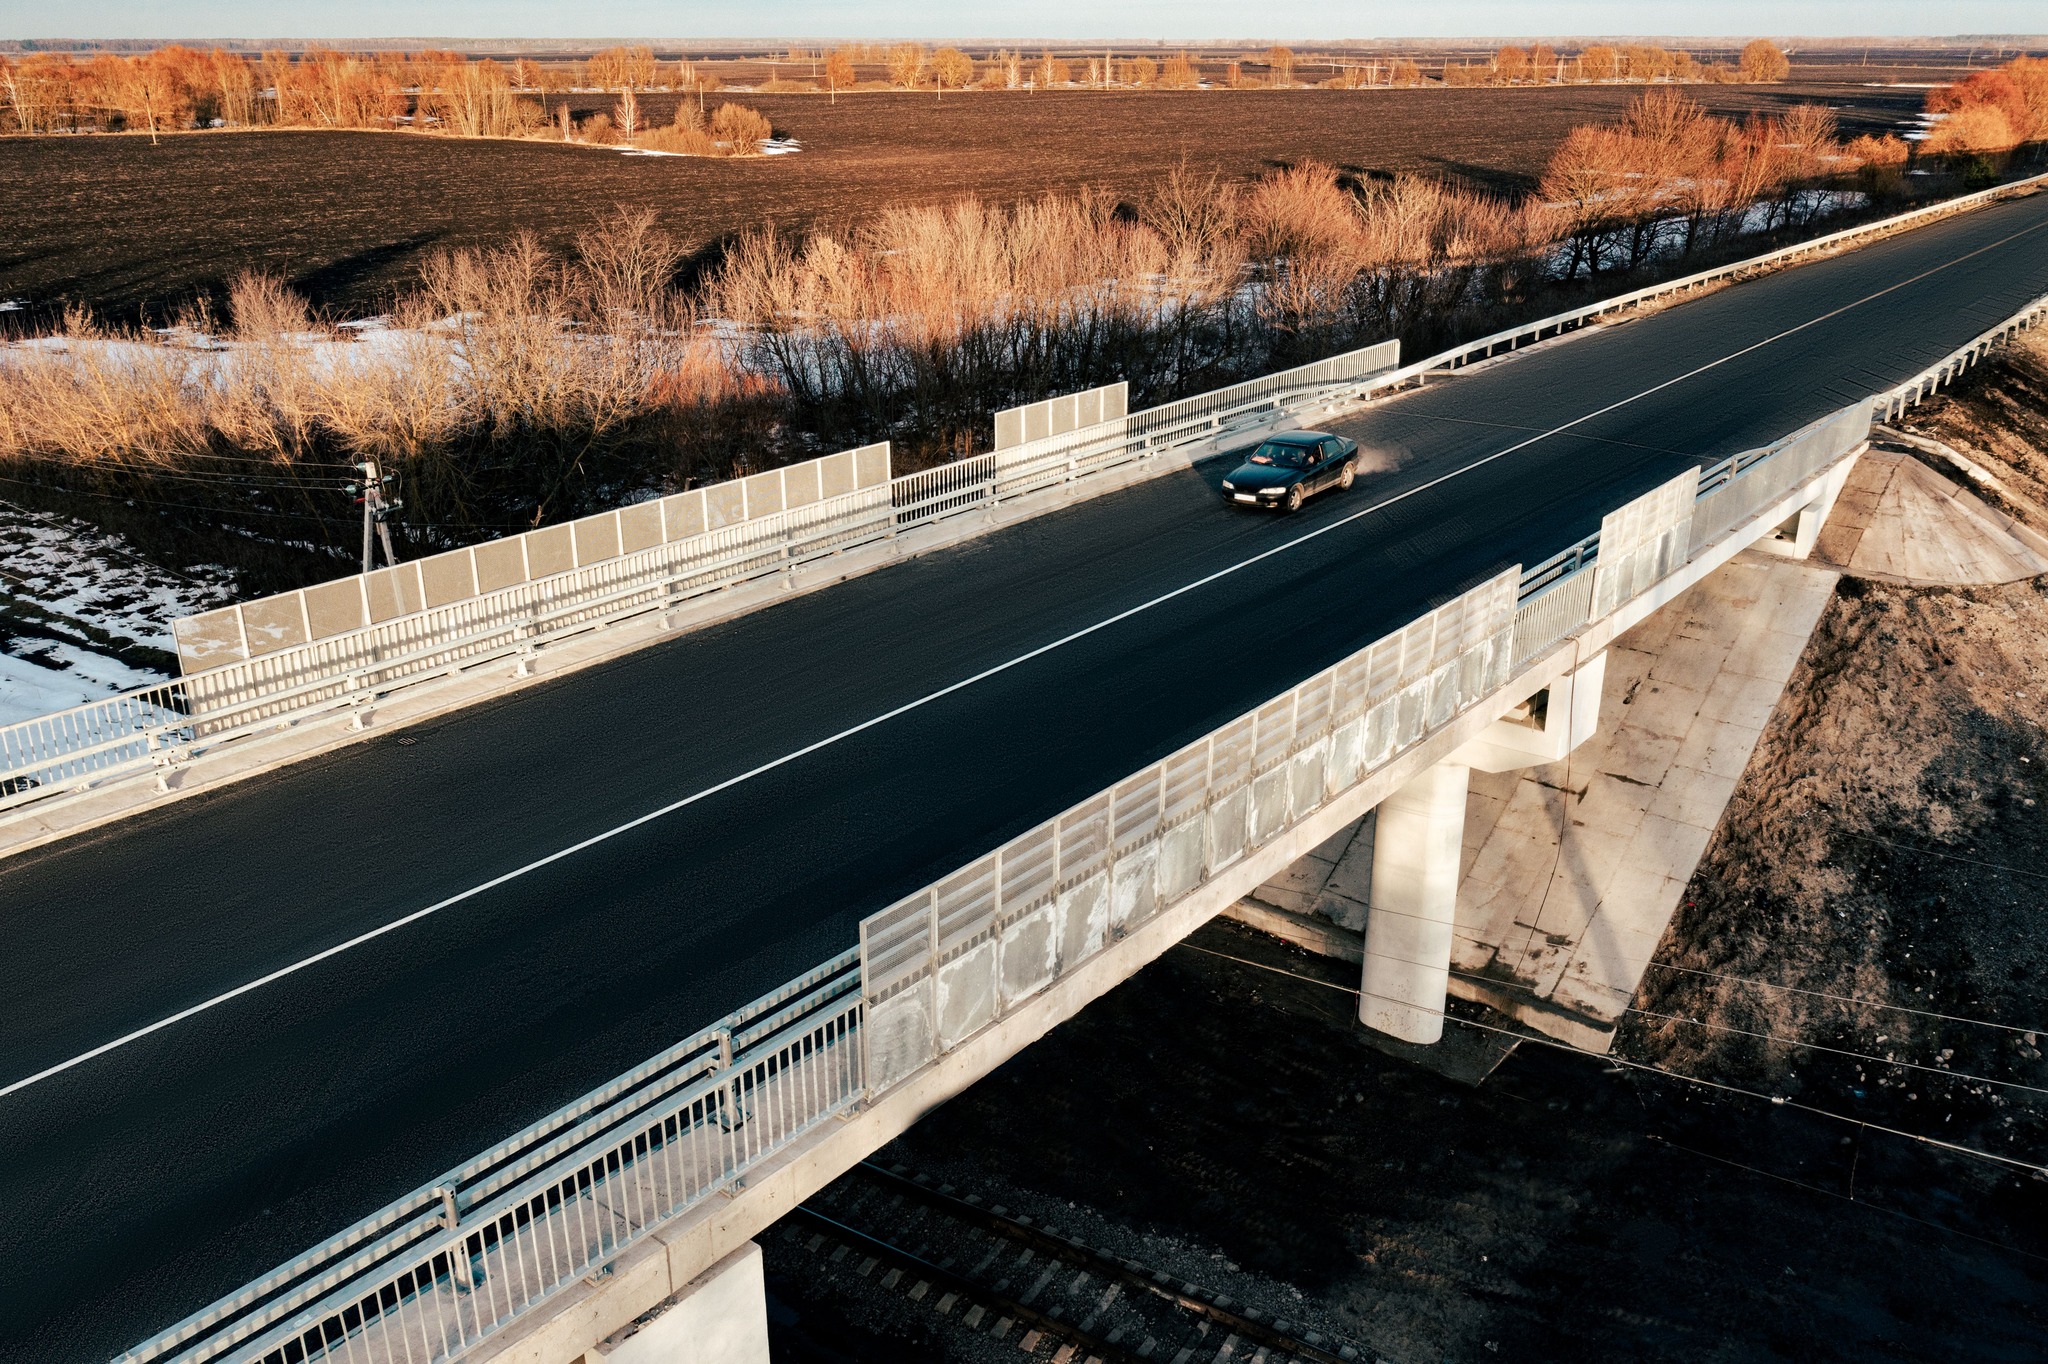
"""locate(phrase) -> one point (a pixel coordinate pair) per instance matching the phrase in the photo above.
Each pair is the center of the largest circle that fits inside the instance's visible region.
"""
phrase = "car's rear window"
(1285, 456)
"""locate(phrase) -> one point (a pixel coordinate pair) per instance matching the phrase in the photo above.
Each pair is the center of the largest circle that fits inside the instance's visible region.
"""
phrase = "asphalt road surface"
(140, 1184)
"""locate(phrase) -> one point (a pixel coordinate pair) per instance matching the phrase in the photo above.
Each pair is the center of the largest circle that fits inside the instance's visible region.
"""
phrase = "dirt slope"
(1889, 842)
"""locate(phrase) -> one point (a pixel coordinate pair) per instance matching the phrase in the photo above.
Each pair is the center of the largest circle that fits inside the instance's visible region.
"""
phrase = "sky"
(930, 19)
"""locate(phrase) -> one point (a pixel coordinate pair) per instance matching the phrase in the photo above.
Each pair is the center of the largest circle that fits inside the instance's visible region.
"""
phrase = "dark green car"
(1288, 469)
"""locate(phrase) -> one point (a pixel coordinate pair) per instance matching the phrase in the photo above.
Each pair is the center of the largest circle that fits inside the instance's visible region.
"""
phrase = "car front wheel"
(1294, 498)
(1350, 474)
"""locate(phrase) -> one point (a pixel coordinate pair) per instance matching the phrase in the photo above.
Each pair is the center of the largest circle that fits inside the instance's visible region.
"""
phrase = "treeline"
(1761, 62)
(912, 66)
(514, 386)
(180, 87)
(1991, 111)
(1672, 178)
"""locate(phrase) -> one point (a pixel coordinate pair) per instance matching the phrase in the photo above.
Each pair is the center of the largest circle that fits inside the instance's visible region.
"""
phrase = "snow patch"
(48, 675)
(73, 586)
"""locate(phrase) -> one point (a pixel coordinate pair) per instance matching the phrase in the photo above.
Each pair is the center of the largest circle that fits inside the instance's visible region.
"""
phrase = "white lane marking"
(925, 700)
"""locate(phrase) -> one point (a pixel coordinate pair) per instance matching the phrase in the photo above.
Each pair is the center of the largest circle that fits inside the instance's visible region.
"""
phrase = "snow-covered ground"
(71, 597)
(770, 146)
(49, 676)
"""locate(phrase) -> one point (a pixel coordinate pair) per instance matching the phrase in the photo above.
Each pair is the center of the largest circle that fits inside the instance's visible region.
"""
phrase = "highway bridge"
(370, 964)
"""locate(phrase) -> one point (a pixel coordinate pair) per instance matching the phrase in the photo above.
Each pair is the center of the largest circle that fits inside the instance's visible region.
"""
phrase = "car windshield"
(1286, 456)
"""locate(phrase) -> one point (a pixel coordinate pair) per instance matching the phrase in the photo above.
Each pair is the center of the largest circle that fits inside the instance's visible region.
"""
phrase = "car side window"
(1332, 447)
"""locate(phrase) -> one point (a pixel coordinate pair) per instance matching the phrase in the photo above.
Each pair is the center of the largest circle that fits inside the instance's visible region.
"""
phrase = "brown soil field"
(133, 229)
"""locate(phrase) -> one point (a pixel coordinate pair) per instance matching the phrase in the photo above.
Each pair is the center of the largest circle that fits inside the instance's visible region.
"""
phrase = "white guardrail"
(463, 1257)
(343, 645)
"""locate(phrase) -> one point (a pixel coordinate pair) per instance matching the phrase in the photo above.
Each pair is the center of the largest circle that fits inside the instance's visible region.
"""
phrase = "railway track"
(1008, 1278)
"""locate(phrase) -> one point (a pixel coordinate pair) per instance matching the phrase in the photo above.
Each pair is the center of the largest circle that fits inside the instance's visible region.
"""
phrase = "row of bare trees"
(178, 87)
(911, 66)
(1671, 178)
(1760, 62)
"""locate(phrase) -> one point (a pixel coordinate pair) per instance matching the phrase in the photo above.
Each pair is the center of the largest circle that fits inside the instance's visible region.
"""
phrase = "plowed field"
(129, 228)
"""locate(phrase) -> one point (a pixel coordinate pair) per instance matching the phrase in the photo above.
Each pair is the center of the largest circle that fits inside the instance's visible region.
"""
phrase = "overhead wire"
(1949, 856)
(1837, 1051)
(1846, 1198)
(1848, 999)
(1772, 1037)
(215, 510)
(1776, 1100)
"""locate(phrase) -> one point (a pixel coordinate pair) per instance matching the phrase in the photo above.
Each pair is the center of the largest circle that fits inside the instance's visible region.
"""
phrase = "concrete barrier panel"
(725, 504)
(836, 474)
(274, 623)
(801, 484)
(764, 494)
(597, 538)
(873, 464)
(683, 515)
(639, 527)
(549, 551)
(500, 563)
(332, 609)
(449, 577)
(393, 592)
(209, 639)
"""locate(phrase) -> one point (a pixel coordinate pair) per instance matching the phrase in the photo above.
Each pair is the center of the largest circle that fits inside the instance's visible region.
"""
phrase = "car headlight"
(1271, 492)
(1228, 486)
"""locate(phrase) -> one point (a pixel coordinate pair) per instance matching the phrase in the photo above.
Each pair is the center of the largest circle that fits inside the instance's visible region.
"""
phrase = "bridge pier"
(1795, 538)
(720, 1317)
(1418, 845)
(1418, 838)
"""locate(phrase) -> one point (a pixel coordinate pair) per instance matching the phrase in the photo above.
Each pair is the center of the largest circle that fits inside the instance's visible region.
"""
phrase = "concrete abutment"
(719, 1317)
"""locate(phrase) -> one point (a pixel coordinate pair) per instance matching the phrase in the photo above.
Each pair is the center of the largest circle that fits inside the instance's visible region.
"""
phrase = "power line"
(151, 505)
(1773, 1037)
(1837, 1051)
(1952, 857)
(1846, 1198)
(1776, 1100)
(56, 523)
(152, 473)
(1846, 999)
(171, 506)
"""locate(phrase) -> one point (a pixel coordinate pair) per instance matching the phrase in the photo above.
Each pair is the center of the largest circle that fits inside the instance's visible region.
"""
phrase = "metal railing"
(459, 1259)
(1513, 337)
(1893, 403)
(1729, 499)
(159, 728)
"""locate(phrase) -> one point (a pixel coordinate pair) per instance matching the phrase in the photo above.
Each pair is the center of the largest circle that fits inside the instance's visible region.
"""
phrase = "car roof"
(1297, 437)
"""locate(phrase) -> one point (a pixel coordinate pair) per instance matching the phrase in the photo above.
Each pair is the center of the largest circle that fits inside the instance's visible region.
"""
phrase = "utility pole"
(370, 495)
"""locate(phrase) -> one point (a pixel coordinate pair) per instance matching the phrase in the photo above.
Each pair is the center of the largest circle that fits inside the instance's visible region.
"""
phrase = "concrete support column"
(1795, 539)
(1549, 725)
(1418, 838)
(720, 1317)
